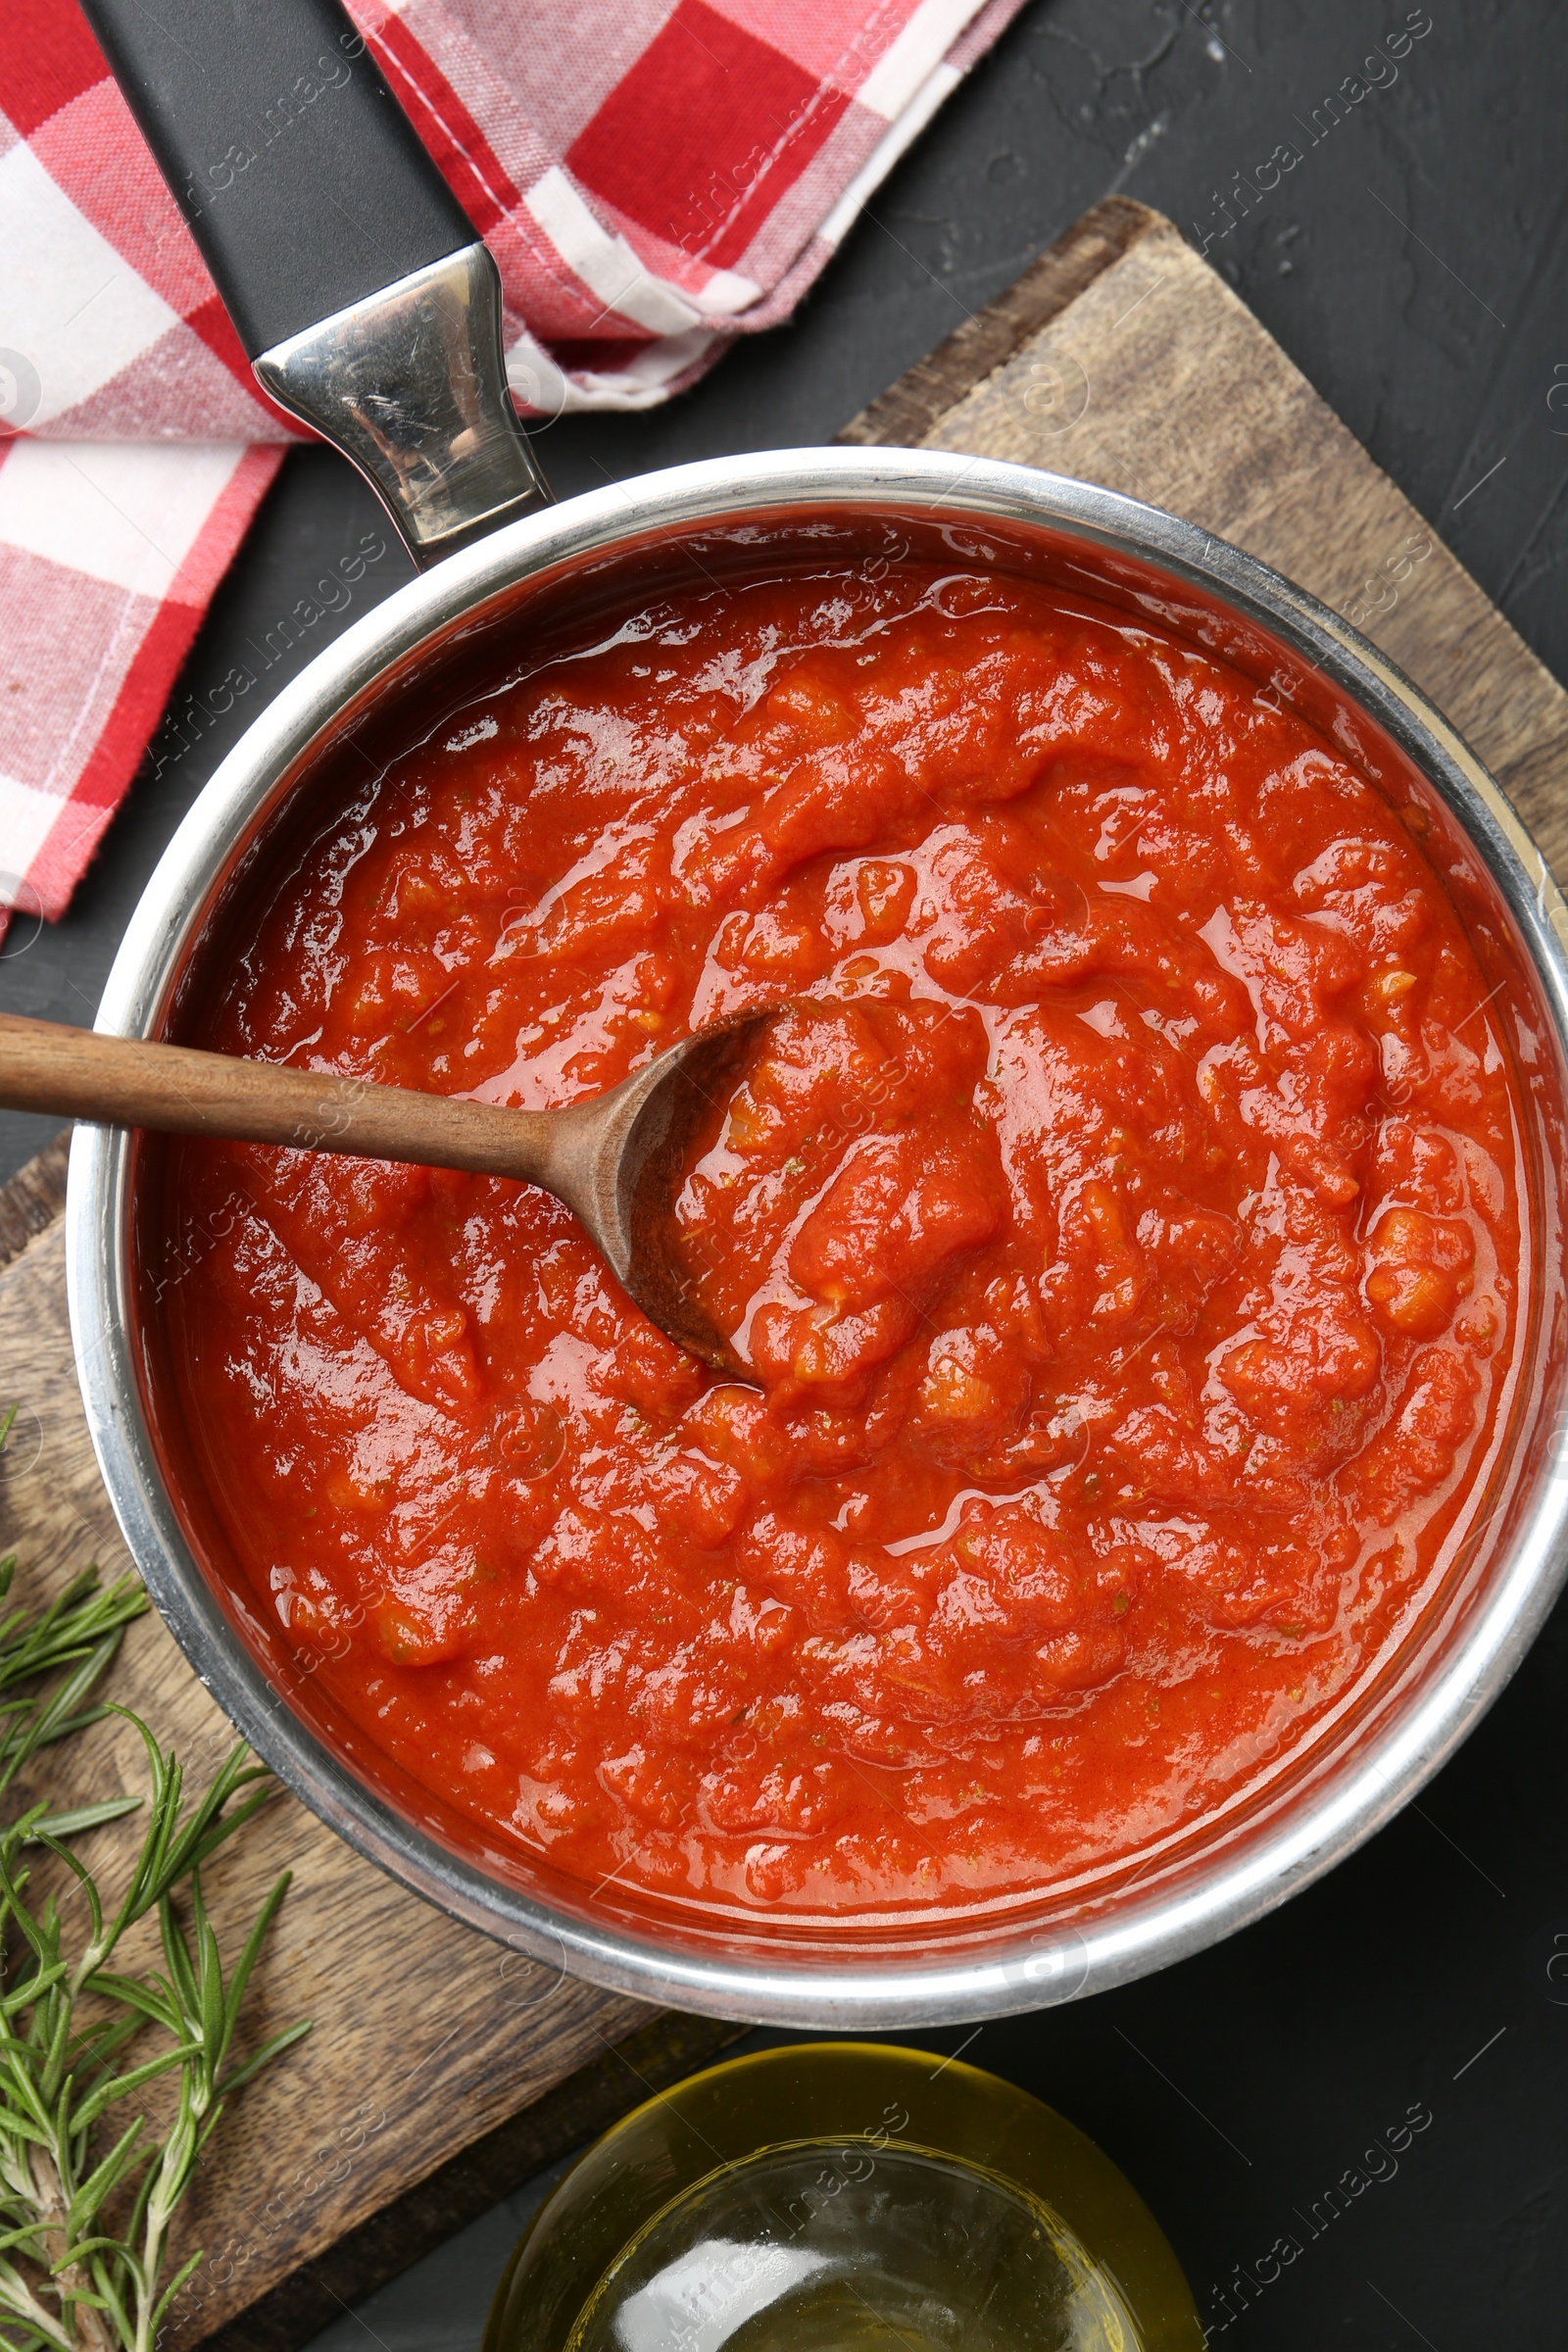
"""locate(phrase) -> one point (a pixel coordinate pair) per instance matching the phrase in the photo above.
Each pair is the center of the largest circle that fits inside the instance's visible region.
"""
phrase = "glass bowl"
(844, 2197)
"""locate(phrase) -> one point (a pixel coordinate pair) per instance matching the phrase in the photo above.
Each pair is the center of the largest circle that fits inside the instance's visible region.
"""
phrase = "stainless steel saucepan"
(371, 310)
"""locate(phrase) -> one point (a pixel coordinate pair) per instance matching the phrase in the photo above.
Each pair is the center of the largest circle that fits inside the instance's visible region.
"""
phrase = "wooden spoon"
(617, 1162)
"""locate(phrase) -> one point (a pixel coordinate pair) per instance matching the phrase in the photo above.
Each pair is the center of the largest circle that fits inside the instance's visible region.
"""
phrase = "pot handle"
(368, 307)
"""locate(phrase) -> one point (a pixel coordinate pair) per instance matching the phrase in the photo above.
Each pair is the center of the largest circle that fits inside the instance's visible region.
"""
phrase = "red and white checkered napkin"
(652, 179)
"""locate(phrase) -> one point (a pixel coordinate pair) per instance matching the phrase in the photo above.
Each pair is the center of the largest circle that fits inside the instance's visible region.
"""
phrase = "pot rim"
(1353, 1799)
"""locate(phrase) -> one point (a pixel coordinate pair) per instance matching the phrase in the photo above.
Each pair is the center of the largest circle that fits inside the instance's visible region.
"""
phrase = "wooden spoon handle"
(127, 1082)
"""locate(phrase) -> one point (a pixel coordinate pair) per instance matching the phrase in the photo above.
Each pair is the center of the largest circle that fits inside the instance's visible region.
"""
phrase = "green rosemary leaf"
(82, 2297)
(109, 2286)
(30, 1989)
(147, 1997)
(181, 1976)
(269, 2050)
(81, 1818)
(11, 1889)
(69, 1724)
(25, 2237)
(249, 1956)
(204, 2134)
(46, 1720)
(105, 2176)
(22, 2127)
(218, 1833)
(30, 2113)
(209, 1826)
(89, 2110)
(81, 2248)
(212, 2015)
(37, 1834)
(81, 1612)
(175, 2284)
(83, 1617)
(57, 2044)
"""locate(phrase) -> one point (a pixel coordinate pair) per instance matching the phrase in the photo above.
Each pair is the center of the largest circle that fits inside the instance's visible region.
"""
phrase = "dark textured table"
(1398, 2036)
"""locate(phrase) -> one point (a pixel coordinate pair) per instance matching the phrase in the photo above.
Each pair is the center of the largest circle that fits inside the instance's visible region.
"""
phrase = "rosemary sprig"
(86, 2197)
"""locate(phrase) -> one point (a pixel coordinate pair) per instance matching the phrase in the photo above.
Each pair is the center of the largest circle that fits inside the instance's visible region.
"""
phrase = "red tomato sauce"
(1125, 1232)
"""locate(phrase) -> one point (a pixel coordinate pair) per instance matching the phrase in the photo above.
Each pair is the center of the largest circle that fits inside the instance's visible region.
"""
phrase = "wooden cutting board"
(443, 2071)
